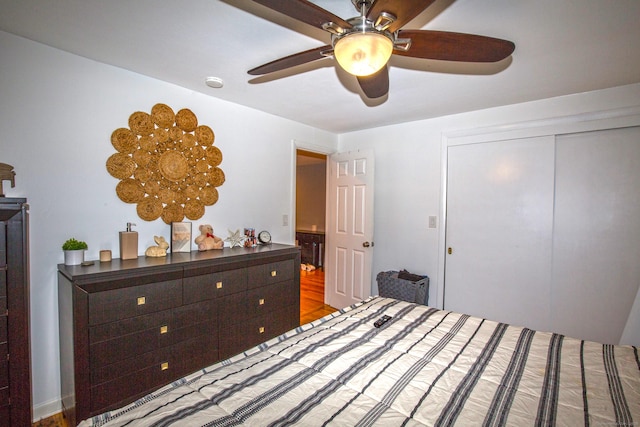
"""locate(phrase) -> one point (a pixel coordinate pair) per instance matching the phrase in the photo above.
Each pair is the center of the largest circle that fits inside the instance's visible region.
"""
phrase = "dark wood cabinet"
(312, 247)
(129, 327)
(15, 354)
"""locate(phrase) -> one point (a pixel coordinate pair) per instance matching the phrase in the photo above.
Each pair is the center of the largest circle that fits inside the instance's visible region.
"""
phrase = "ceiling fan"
(363, 45)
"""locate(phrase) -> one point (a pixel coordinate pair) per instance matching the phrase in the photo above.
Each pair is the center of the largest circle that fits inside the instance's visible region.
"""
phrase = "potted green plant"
(74, 251)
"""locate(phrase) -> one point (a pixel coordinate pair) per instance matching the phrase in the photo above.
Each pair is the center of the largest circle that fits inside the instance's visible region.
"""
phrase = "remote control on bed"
(381, 321)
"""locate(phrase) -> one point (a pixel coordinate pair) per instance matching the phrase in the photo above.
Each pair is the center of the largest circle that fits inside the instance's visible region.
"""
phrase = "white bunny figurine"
(160, 249)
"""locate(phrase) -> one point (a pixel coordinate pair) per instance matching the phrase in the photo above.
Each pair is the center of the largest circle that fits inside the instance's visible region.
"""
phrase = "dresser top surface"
(175, 261)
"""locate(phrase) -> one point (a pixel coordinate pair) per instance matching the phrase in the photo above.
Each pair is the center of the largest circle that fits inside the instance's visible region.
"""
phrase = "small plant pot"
(74, 257)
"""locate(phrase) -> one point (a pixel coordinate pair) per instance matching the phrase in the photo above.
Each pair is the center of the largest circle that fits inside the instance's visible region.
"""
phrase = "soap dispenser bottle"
(129, 243)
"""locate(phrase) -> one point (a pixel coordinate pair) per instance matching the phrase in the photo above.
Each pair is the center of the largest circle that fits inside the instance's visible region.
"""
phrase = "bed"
(424, 367)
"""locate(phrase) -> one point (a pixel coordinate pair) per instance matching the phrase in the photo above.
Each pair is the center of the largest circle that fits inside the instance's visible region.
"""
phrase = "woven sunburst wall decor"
(166, 164)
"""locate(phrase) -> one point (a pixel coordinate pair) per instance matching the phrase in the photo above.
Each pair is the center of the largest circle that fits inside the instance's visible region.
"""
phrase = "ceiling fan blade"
(305, 11)
(291, 61)
(446, 46)
(375, 85)
(403, 10)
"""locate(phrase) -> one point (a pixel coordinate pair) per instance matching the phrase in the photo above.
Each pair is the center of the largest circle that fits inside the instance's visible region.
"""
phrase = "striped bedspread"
(424, 367)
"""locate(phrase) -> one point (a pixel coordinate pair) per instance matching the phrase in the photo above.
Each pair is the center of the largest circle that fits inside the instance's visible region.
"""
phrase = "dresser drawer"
(112, 305)
(138, 376)
(265, 274)
(4, 367)
(206, 345)
(3, 329)
(116, 341)
(242, 336)
(4, 403)
(213, 285)
(256, 302)
(4, 377)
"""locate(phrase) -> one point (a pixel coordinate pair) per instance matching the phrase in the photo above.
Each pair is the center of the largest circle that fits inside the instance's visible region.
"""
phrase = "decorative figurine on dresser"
(128, 327)
(7, 174)
(15, 376)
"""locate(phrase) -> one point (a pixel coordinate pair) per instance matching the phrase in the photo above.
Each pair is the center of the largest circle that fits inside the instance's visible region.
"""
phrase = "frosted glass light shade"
(362, 54)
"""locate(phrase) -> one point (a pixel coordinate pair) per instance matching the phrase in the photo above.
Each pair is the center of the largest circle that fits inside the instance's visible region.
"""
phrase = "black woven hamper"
(391, 286)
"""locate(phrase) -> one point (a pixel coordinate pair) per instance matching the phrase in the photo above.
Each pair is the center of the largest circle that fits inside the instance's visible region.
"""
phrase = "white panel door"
(596, 242)
(349, 234)
(499, 229)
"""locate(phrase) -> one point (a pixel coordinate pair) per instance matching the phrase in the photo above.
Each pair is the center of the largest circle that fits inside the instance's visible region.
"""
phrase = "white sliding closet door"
(596, 242)
(499, 228)
(545, 232)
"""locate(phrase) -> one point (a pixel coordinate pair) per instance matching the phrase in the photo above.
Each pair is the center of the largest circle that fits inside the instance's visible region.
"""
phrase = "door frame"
(598, 120)
(314, 148)
(306, 146)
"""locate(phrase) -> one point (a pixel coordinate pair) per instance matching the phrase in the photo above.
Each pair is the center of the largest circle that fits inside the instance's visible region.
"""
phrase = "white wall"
(57, 112)
(310, 197)
(408, 183)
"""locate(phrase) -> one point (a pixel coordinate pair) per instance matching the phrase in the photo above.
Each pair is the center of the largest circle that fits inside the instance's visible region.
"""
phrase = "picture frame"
(180, 237)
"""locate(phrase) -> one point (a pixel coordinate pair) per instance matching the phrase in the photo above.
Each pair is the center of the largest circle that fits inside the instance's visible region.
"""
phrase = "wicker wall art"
(167, 164)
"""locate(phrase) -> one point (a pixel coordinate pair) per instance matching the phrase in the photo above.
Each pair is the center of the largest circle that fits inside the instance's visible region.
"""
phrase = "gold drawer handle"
(164, 329)
(261, 301)
(219, 285)
(164, 366)
(261, 329)
(142, 300)
(274, 273)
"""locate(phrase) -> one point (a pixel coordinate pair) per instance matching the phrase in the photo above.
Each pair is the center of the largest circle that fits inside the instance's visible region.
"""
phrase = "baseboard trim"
(46, 409)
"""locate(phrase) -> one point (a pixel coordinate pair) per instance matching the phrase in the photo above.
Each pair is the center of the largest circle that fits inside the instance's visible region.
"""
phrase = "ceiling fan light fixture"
(363, 53)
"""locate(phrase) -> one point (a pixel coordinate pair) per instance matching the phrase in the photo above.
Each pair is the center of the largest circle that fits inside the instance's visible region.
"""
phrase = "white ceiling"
(562, 47)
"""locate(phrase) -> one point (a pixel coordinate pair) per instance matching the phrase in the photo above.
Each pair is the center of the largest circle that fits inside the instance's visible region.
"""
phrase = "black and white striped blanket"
(423, 367)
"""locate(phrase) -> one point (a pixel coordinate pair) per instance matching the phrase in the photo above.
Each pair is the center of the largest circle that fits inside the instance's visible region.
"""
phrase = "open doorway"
(311, 173)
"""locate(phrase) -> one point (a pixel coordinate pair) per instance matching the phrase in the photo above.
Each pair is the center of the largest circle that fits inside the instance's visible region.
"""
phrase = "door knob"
(366, 244)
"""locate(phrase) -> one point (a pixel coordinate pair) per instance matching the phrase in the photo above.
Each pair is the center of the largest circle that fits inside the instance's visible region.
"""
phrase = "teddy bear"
(206, 240)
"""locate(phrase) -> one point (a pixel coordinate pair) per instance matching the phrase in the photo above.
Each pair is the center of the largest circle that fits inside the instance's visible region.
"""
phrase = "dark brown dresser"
(129, 327)
(15, 354)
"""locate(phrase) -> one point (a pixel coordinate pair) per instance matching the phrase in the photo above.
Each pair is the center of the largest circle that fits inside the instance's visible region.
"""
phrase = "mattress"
(424, 367)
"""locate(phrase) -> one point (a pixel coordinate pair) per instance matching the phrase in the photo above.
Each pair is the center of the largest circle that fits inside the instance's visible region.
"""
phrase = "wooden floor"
(312, 307)
(56, 420)
(312, 304)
